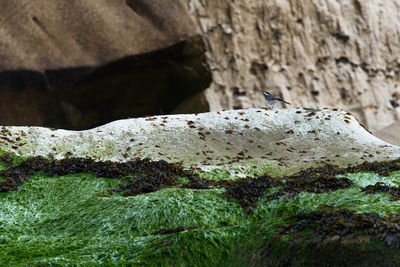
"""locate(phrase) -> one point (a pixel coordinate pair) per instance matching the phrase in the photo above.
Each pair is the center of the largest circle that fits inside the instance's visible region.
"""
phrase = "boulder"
(79, 64)
(282, 141)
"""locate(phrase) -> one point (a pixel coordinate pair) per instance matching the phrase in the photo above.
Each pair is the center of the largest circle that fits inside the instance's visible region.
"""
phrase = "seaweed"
(158, 174)
(14, 176)
(248, 190)
(151, 176)
(329, 222)
(379, 187)
(8, 159)
(146, 184)
(174, 230)
(314, 184)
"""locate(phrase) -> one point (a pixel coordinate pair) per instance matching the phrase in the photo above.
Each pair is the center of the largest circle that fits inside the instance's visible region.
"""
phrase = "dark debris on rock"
(329, 222)
(14, 176)
(151, 176)
(381, 187)
(158, 174)
(249, 190)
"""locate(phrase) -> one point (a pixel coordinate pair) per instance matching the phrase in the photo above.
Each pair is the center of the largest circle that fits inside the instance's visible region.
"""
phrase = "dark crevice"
(341, 37)
(364, 66)
(85, 97)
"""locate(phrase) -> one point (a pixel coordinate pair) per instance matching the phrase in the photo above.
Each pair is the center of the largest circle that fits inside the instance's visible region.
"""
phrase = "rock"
(195, 104)
(327, 54)
(85, 220)
(390, 134)
(79, 64)
(268, 139)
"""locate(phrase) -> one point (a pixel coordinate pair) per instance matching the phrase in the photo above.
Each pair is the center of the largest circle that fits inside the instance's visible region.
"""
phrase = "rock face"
(53, 55)
(390, 134)
(312, 53)
(281, 141)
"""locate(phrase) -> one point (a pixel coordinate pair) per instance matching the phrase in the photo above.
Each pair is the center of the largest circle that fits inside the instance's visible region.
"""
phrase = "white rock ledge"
(275, 140)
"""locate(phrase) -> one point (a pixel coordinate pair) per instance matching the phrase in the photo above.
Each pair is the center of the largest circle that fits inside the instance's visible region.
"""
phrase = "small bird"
(271, 99)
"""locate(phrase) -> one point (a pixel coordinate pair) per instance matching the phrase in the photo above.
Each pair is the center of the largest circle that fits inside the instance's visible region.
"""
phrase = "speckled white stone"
(281, 140)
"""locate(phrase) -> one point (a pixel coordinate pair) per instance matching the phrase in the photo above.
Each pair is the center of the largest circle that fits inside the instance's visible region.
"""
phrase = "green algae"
(217, 175)
(61, 221)
(352, 198)
(269, 168)
(13, 158)
(289, 250)
(369, 178)
(351, 251)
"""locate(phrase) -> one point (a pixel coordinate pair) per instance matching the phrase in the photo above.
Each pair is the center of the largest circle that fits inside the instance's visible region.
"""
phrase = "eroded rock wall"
(310, 52)
(79, 64)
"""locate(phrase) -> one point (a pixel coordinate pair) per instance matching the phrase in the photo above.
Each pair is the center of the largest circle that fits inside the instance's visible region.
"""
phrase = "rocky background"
(312, 53)
(80, 64)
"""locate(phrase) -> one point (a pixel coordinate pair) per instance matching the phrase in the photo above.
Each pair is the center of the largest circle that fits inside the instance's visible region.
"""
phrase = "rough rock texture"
(280, 141)
(312, 53)
(52, 54)
(390, 134)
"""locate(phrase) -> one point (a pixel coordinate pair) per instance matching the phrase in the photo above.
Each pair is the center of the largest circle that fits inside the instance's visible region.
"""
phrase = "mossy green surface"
(61, 221)
(15, 158)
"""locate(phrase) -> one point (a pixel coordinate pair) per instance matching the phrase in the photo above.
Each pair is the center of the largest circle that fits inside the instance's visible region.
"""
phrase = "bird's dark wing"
(276, 98)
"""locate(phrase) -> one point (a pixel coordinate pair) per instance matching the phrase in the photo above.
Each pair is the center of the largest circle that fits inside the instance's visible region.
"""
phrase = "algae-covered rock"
(237, 187)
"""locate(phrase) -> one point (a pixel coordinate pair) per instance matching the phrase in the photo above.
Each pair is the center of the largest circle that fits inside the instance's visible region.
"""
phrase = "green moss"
(358, 251)
(352, 198)
(369, 178)
(217, 175)
(290, 251)
(60, 221)
(270, 168)
(16, 159)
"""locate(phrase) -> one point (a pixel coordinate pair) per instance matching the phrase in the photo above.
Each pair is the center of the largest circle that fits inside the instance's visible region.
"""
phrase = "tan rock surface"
(78, 64)
(324, 53)
(54, 34)
(390, 134)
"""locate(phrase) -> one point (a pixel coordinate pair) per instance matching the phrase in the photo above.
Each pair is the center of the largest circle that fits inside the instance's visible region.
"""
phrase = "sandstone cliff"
(312, 53)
